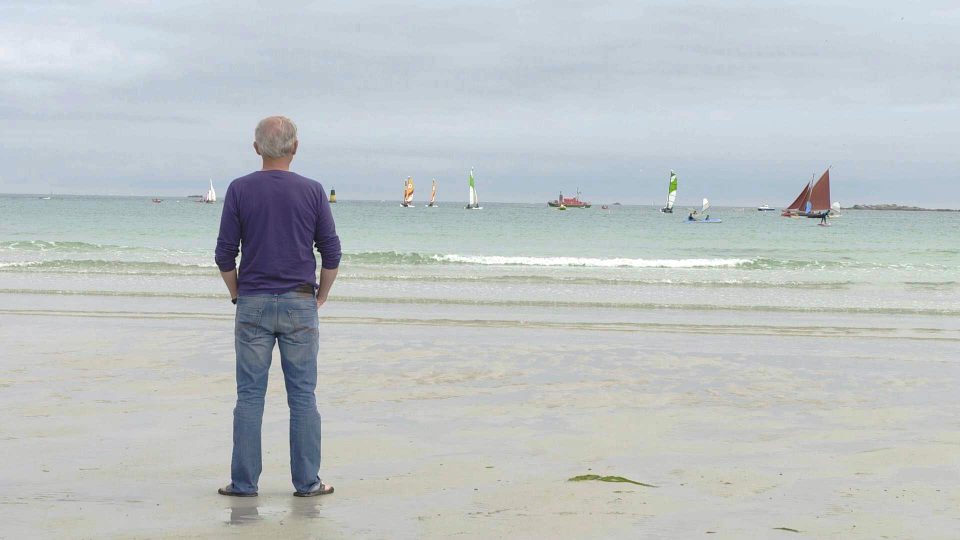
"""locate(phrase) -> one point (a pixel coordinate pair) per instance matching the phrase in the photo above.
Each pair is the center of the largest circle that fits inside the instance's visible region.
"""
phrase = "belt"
(305, 288)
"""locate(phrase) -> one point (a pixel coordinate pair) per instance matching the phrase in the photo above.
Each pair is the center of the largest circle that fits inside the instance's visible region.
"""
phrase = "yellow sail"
(408, 191)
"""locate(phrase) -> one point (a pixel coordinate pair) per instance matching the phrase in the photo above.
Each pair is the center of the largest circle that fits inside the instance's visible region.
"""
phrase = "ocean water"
(520, 262)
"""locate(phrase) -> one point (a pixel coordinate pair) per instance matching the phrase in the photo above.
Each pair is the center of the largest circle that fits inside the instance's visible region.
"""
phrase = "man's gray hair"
(275, 136)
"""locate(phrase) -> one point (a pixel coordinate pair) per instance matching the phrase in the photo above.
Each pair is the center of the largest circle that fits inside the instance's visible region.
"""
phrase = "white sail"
(706, 205)
(211, 196)
(672, 190)
(474, 200)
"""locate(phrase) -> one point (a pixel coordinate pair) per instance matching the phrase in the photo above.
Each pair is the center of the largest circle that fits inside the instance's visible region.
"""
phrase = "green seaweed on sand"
(597, 477)
(785, 529)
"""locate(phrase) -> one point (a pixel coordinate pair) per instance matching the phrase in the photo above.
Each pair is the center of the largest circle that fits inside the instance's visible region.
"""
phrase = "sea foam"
(591, 262)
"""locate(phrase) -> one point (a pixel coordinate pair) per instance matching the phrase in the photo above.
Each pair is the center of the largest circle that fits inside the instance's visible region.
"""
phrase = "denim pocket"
(304, 317)
(304, 324)
(248, 323)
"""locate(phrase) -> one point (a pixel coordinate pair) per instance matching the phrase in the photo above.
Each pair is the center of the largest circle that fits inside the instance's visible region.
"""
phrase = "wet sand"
(117, 425)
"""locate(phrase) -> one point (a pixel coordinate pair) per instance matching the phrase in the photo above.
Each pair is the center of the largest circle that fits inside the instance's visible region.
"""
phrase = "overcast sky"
(745, 100)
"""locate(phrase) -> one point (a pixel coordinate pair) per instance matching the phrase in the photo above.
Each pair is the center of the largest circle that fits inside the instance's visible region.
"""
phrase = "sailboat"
(671, 194)
(407, 193)
(813, 201)
(211, 195)
(474, 202)
(333, 196)
(433, 195)
(703, 211)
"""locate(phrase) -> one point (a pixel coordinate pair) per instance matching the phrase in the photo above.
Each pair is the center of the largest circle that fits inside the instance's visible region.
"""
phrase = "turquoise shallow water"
(629, 256)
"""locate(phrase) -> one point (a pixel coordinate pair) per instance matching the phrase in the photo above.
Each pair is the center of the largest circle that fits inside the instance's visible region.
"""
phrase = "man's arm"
(327, 277)
(328, 244)
(228, 242)
(230, 278)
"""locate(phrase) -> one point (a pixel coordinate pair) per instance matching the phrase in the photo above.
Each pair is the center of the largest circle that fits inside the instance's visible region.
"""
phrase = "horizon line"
(340, 199)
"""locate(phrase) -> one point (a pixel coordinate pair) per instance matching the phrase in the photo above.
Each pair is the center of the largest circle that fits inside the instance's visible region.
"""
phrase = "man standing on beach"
(277, 217)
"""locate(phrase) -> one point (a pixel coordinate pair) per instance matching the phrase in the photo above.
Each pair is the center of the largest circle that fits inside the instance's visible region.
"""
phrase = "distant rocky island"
(899, 207)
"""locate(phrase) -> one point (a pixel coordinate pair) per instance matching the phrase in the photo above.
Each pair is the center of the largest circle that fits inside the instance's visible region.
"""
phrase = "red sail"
(801, 199)
(820, 193)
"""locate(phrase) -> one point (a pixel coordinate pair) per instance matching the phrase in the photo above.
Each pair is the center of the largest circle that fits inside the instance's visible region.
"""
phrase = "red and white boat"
(569, 202)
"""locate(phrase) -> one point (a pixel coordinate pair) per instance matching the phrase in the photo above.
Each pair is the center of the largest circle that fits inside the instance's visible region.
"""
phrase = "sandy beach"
(117, 419)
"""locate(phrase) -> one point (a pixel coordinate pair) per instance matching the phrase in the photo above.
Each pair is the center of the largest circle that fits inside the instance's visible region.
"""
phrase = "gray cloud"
(746, 99)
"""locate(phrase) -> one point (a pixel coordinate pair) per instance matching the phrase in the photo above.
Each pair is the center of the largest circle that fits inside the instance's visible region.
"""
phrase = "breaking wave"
(392, 257)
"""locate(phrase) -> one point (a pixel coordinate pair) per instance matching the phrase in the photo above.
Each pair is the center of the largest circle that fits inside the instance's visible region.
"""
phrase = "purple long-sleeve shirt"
(276, 217)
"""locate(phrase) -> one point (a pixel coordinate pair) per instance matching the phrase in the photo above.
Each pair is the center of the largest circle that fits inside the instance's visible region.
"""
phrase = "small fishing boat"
(158, 201)
(569, 202)
(407, 201)
(765, 208)
(671, 194)
(433, 195)
(333, 196)
(473, 202)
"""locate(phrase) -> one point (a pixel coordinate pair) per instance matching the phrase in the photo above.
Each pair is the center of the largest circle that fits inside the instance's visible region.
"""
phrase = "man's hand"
(230, 279)
(327, 277)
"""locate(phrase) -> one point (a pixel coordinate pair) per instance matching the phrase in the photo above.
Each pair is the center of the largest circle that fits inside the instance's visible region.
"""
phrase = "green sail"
(672, 192)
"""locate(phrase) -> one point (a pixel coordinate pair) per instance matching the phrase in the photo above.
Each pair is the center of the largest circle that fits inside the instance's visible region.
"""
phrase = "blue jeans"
(291, 320)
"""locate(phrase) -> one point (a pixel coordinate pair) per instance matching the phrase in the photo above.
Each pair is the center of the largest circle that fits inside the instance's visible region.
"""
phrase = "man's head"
(276, 138)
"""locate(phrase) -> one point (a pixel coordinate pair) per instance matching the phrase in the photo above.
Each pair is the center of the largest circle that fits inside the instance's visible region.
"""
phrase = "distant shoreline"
(898, 207)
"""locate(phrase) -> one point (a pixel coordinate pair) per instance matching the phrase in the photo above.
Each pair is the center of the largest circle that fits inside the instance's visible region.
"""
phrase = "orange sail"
(801, 200)
(820, 194)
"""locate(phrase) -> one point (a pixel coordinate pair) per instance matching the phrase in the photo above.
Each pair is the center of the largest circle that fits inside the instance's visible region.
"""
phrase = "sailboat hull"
(666, 210)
